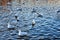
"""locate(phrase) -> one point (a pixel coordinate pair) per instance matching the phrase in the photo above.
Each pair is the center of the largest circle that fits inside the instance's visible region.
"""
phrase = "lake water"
(45, 28)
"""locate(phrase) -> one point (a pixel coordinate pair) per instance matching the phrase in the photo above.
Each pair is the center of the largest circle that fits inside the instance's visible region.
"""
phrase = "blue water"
(46, 27)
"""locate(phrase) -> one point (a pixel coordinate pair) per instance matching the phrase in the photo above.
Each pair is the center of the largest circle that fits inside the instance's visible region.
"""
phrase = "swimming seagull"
(39, 15)
(19, 9)
(9, 27)
(33, 22)
(21, 33)
(17, 18)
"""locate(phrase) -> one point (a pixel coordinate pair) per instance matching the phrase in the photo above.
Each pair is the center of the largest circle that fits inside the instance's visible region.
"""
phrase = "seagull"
(21, 33)
(39, 15)
(34, 10)
(9, 27)
(19, 9)
(58, 11)
(33, 22)
(16, 17)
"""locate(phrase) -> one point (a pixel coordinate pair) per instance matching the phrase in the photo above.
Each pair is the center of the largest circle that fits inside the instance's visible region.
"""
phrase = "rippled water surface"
(45, 28)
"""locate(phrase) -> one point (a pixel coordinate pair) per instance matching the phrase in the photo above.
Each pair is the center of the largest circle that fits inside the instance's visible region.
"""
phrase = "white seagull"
(21, 33)
(9, 27)
(33, 22)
